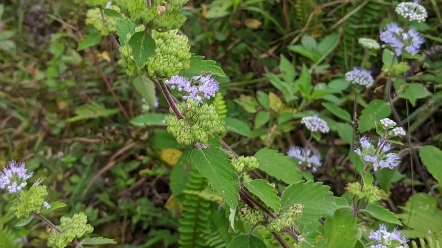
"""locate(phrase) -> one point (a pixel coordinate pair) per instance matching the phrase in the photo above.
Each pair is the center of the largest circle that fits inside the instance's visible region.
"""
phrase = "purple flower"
(391, 160)
(206, 88)
(386, 146)
(365, 142)
(46, 205)
(315, 124)
(399, 40)
(306, 156)
(14, 178)
(359, 76)
(383, 237)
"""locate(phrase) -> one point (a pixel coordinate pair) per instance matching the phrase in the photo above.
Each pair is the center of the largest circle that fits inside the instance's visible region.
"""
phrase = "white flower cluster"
(359, 76)
(396, 131)
(369, 43)
(315, 124)
(412, 11)
(387, 123)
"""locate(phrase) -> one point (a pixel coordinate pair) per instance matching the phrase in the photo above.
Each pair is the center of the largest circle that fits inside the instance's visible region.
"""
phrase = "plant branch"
(48, 222)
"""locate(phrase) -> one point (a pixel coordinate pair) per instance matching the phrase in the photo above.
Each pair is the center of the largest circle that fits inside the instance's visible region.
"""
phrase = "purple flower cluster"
(381, 159)
(383, 237)
(196, 88)
(305, 156)
(399, 39)
(14, 178)
(315, 124)
(359, 76)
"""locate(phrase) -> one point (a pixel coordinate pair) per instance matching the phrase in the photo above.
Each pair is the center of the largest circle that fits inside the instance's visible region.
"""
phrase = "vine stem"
(48, 222)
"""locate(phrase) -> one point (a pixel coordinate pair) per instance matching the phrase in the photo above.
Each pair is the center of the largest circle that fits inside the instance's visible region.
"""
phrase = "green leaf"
(124, 27)
(308, 53)
(151, 119)
(112, 13)
(97, 241)
(278, 166)
(238, 126)
(388, 57)
(6, 35)
(246, 241)
(261, 118)
(382, 214)
(54, 206)
(263, 99)
(420, 216)
(2, 9)
(248, 103)
(180, 174)
(146, 88)
(24, 222)
(143, 46)
(265, 192)
(339, 84)
(88, 41)
(337, 111)
(431, 157)
(93, 110)
(315, 197)
(345, 131)
(305, 82)
(410, 91)
(8, 46)
(287, 70)
(374, 112)
(214, 164)
(199, 66)
(327, 43)
(340, 229)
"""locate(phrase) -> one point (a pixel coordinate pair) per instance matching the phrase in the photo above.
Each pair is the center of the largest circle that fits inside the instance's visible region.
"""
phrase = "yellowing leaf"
(275, 102)
(172, 204)
(104, 55)
(170, 156)
(252, 23)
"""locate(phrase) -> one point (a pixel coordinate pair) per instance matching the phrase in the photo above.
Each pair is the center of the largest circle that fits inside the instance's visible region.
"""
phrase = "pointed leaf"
(54, 206)
(246, 241)
(24, 222)
(238, 126)
(375, 111)
(340, 229)
(305, 82)
(199, 66)
(277, 165)
(146, 88)
(88, 41)
(337, 111)
(382, 214)
(97, 241)
(316, 198)
(265, 192)
(214, 164)
(143, 46)
(431, 157)
(124, 27)
(287, 70)
(151, 119)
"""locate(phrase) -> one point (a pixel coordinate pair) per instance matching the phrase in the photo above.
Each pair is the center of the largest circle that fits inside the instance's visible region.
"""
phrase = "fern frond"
(195, 220)
(220, 106)
(8, 238)
(303, 9)
(214, 239)
(423, 242)
(358, 25)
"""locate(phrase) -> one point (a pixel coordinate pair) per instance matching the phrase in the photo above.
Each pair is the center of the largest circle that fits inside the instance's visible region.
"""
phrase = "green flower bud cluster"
(172, 54)
(252, 216)
(101, 3)
(243, 164)
(370, 193)
(127, 56)
(95, 19)
(71, 228)
(396, 70)
(198, 123)
(162, 15)
(31, 201)
(286, 219)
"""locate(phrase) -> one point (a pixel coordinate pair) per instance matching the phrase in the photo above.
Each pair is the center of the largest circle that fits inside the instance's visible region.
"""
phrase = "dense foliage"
(225, 123)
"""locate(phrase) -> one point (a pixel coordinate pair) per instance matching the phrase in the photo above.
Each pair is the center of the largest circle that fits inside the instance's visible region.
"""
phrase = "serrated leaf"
(315, 197)
(382, 214)
(97, 241)
(375, 111)
(93, 110)
(143, 46)
(238, 126)
(146, 88)
(151, 119)
(278, 166)
(214, 164)
(420, 216)
(24, 222)
(431, 157)
(246, 241)
(265, 192)
(345, 131)
(337, 111)
(199, 66)
(340, 229)
(88, 41)
(410, 91)
(124, 27)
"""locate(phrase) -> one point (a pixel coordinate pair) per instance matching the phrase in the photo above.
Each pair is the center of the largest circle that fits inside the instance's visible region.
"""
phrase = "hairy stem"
(48, 222)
